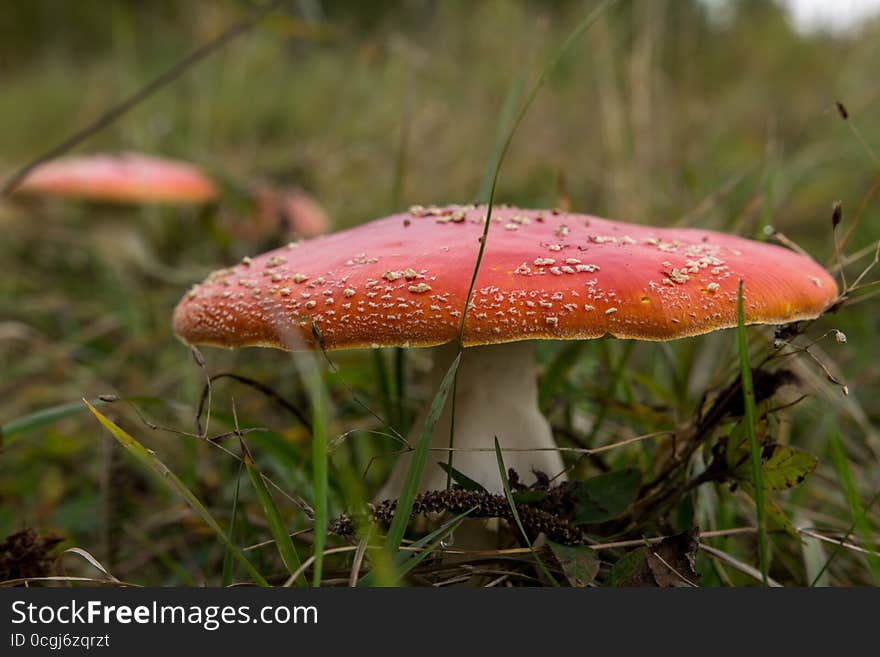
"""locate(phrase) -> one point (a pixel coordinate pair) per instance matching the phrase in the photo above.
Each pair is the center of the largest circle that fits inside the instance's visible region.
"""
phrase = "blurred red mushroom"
(303, 214)
(283, 212)
(275, 213)
(125, 178)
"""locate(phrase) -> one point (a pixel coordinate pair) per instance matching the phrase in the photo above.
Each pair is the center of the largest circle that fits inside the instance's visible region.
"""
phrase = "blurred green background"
(664, 112)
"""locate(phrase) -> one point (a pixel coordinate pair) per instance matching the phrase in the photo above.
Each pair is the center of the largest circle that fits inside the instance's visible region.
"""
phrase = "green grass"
(655, 116)
(277, 528)
(419, 458)
(320, 461)
(755, 452)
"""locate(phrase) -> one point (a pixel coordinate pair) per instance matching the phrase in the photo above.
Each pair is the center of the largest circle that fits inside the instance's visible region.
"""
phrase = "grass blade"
(582, 27)
(505, 119)
(417, 465)
(227, 557)
(405, 562)
(273, 517)
(320, 465)
(310, 371)
(429, 543)
(856, 508)
(839, 546)
(148, 459)
(749, 420)
(398, 421)
(509, 495)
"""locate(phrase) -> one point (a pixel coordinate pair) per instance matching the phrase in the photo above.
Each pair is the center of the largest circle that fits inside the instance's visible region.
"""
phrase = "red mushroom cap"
(402, 280)
(126, 178)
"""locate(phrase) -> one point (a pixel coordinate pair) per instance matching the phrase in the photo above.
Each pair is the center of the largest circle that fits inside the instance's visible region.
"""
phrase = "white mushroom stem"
(496, 395)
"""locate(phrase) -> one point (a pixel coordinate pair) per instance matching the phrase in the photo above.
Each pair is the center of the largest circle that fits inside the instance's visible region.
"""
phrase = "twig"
(739, 565)
(837, 541)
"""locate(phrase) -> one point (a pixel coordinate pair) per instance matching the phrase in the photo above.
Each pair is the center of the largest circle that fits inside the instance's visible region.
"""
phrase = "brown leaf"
(672, 561)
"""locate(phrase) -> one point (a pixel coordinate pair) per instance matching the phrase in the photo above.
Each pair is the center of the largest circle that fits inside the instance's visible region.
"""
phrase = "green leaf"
(151, 461)
(606, 496)
(579, 562)
(273, 517)
(461, 479)
(782, 467)
(627, 571)
(419, 457)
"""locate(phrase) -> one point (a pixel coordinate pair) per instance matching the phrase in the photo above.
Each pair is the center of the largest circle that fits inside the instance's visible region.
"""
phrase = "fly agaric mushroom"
(402, 281)
(125, 178)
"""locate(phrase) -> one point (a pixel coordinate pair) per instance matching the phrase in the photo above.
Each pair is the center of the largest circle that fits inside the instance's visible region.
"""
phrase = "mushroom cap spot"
(123, 178)
(643, 282)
